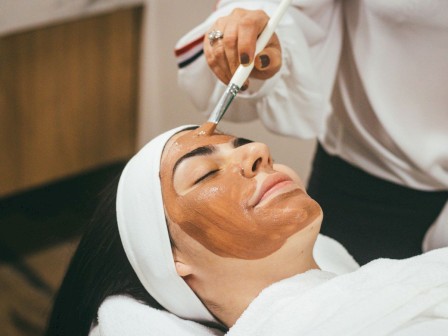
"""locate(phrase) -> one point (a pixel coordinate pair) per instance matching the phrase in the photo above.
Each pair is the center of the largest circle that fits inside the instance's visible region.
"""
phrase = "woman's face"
(227, 194)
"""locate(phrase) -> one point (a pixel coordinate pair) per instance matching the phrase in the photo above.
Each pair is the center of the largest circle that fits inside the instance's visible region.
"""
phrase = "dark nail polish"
(244, 59)
(265, 60)
(244, 87)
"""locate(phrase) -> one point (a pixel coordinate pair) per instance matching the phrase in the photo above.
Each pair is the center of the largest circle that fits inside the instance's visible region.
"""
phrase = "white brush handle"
(242, 72)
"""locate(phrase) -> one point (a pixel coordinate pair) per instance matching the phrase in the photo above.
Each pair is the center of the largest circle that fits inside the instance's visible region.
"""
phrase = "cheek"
(217, 217)
(213, 208)
(206, 196)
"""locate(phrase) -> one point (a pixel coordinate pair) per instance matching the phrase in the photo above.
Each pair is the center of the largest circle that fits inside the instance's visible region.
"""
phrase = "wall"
(68, 96)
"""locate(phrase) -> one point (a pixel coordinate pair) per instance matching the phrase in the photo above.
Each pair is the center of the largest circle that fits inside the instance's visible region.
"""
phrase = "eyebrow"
(208, 150)
(238, 142)
(200, 151)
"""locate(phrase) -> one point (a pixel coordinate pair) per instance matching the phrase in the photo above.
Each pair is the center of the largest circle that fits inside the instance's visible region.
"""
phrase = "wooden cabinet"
(68, 98)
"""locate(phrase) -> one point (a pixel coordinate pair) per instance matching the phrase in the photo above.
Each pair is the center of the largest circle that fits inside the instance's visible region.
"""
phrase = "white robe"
(385, 297)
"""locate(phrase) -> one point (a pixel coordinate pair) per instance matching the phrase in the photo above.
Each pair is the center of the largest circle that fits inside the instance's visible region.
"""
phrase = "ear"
(182, 269)
(181, 263)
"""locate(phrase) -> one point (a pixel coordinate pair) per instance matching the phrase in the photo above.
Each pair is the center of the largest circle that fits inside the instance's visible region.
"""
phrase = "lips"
(270, 185)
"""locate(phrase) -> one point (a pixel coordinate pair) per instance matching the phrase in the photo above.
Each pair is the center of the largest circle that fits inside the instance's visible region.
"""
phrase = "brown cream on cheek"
(216, 213)
(230, 229)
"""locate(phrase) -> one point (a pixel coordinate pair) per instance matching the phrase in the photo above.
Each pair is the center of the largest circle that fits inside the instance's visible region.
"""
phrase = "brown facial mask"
(217, 210)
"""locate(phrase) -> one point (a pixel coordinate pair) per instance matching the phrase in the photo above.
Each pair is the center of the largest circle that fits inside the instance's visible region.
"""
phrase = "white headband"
(144, 233)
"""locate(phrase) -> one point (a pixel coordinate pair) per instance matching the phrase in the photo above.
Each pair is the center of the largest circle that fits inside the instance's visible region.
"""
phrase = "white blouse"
(369, 78)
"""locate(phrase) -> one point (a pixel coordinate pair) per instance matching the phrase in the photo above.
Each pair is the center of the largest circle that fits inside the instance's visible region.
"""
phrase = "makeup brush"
(242, 72)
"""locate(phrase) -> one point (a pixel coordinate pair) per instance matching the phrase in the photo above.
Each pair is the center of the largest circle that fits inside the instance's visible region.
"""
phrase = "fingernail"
(244, 59)
(244, 87)
(265, 60)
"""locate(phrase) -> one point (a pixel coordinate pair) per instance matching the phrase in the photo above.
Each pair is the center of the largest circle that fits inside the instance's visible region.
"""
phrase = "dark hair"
(99, 268)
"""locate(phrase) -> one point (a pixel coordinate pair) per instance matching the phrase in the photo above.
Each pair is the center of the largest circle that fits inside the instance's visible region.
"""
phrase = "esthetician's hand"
(237, 46)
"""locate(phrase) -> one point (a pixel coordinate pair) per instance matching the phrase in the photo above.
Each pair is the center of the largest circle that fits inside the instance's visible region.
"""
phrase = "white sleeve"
(296, 101)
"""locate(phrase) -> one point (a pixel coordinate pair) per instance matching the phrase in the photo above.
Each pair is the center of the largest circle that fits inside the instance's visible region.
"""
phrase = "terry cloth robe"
(385, 297)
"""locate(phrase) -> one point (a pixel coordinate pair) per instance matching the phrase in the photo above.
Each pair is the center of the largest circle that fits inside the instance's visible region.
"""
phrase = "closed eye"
(205, 176)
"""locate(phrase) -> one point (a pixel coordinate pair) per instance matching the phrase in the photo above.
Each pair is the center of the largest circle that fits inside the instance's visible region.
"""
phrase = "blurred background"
(83, 85)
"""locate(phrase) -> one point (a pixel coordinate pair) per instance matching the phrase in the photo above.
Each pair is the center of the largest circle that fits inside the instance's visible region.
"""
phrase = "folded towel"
(121, 315)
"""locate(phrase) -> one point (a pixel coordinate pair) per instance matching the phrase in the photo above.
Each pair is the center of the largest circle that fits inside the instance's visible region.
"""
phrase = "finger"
(220, 65)
(229, 42)
(250, 27)
(245, 86)
(213, 62)
(216, 57)
(268, 62)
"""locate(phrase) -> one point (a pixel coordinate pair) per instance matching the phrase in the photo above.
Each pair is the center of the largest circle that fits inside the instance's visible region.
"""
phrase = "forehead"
(187, 141)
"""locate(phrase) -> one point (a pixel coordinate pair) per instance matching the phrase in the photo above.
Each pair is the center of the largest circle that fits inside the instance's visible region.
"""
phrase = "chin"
(308, 210)
(309, 216)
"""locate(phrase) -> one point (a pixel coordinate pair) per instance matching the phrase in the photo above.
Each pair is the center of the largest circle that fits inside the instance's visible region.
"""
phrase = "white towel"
(381, 298)
(332, 257)
(385, 297)
(121, 315)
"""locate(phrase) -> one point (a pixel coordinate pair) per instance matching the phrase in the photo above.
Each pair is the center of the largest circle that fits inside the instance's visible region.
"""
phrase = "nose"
(252, 158)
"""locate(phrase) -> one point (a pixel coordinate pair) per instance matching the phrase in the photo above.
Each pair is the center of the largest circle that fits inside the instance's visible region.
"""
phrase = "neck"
(249, 279)
(228, 311)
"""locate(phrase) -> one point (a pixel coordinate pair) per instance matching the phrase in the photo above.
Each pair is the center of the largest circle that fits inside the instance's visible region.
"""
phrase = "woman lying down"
(209, 237)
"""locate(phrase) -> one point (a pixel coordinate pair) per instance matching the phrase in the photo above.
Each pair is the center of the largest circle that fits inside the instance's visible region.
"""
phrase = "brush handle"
(243, 71)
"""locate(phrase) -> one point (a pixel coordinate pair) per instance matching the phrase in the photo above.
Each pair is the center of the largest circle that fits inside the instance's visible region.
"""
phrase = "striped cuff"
(189, 53)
